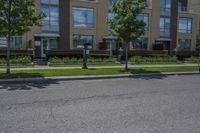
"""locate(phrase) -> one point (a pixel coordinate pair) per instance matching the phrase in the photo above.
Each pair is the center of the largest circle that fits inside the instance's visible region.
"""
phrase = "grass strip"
(103, 71)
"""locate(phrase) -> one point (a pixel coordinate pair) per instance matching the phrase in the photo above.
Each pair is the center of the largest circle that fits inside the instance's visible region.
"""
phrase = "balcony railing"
(185, 9)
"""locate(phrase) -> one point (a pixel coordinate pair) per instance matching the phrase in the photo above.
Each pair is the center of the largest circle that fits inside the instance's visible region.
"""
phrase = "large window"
(165, 26)
(185, 25)
(80, 40)
(184, 44)
(83, 17)
(141, 44)
(16, 42)
(144, 17)
(51, 21)
(165, 5)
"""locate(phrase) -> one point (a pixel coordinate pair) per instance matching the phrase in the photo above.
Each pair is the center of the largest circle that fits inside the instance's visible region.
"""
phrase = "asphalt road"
(140, 105)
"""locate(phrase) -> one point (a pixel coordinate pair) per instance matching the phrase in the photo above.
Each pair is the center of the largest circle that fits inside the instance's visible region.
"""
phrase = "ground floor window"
(3, 42)
(141, 43)
(53, 43)
(16, 42)
(184, 44)
(80, 40)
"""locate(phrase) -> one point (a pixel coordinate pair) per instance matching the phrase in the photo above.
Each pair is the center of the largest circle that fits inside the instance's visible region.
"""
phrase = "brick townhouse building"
(170, 25)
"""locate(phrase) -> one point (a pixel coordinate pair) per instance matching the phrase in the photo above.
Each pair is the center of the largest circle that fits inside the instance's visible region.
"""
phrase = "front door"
(44, 47)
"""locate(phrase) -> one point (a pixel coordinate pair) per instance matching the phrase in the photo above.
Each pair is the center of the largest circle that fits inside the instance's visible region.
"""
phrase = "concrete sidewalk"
(93, 77)
(122, 66)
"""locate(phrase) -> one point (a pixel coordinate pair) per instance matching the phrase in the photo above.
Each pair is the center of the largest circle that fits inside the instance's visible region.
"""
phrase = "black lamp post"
(85, 55)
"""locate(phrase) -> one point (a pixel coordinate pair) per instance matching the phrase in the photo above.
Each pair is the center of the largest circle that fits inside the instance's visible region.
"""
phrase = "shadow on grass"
(145, 74)
(25, 85)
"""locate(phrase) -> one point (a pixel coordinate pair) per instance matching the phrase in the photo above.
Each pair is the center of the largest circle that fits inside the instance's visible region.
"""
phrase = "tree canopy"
(125, 24)
(18, 16)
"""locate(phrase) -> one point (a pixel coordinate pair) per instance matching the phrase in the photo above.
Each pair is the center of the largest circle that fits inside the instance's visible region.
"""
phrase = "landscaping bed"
(17, 61)
(154, 60)
(55, 61)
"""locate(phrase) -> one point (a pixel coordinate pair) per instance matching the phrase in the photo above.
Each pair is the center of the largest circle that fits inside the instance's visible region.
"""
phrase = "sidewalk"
(96, 67)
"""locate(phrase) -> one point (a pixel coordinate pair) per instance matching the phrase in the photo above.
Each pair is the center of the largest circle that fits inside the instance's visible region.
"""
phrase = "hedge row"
(66, 60)
(17, 60)
(153, 59)
(77, 54)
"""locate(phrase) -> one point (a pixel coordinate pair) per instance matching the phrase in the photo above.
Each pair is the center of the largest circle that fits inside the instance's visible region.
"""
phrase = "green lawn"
(105, 71)
(20, 66)
(79, 65)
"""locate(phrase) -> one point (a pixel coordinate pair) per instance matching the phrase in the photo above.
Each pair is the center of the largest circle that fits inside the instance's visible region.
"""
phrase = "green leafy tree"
(125, 25)
(16, 18)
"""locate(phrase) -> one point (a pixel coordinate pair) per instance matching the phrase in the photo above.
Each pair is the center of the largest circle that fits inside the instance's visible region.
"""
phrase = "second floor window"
(185, 25)
(165, 5)
(144, 17)
(83, 17)
(51, 21)
(164, 24)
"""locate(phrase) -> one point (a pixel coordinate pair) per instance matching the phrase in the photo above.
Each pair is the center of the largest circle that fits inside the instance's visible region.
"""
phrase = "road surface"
(158, 104)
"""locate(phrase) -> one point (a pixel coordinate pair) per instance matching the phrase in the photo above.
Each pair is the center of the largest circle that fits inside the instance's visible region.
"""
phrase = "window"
(185, 25)
(16, 42)
(184, 44)
(165, 27)
(51, 21)
(165, 5)
(145, 18)
(83, 17)
(53, 43)
(141, 44)
(3, 42)
(80, 40)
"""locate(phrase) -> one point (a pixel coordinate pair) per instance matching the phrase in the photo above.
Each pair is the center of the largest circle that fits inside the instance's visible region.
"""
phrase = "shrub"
(76, 54)
(22, 60)
(17, 60)
(153, 59)
(2, 61)
(192, 59)
(67, 60)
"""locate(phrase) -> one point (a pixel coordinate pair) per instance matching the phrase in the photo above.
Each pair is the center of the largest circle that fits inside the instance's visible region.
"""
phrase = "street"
(156, 104)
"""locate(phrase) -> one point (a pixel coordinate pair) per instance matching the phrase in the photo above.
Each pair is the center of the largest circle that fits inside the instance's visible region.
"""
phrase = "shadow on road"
(146, 74)
(25, 85)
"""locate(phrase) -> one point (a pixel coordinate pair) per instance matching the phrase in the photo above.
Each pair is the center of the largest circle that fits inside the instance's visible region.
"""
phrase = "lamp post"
(85, 55)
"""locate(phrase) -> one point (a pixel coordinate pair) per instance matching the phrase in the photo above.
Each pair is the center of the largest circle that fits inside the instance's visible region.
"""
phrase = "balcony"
(182, 9)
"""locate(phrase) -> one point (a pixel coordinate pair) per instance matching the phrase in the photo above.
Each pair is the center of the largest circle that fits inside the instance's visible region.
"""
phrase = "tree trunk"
(8, 55)
(8, 38)
(126, 61)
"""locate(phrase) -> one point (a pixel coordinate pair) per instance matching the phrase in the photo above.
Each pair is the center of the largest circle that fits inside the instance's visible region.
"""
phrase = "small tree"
(16, 18)
(125, 25)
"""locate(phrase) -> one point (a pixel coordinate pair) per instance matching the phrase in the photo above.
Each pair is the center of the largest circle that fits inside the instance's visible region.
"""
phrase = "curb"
(71, 78)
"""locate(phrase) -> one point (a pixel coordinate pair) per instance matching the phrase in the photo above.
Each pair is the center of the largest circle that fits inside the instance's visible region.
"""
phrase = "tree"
(16, 18)
(125, 25)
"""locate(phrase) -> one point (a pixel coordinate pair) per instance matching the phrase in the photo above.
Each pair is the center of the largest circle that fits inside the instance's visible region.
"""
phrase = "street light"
(86, 53)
